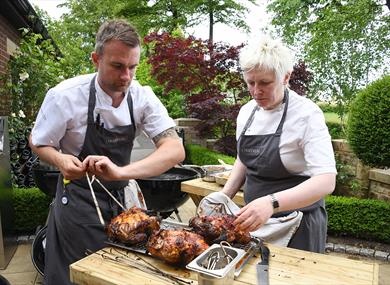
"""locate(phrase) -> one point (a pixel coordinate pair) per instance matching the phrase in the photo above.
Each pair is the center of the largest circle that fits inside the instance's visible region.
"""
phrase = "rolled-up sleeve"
(154, 118)
(51, 122)
(317, 145)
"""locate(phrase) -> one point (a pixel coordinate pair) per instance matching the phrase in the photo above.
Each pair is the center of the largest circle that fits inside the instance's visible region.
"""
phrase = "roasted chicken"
(176, 246)
(218, 228)
(132, 226)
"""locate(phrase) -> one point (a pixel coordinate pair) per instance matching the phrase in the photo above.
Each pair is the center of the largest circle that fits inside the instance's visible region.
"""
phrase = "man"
(87, 124)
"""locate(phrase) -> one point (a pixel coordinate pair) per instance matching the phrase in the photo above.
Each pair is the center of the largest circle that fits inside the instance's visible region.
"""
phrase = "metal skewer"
(95, 200)
(108, 192)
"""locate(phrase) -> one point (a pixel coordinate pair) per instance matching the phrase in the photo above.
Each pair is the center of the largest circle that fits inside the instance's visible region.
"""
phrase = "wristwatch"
(275, 202)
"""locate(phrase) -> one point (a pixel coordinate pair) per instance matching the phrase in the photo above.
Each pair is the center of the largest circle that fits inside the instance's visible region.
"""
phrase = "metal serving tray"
(198, 264)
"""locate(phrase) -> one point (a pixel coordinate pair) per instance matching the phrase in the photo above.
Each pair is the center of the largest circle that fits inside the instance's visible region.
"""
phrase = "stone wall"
(372, 183)
(365, 182)
(188, 125)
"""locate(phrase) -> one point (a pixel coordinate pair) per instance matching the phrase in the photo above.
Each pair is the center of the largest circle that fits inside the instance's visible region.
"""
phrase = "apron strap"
(91, 100)
(130, 104)
(280, 127)
(250, 120)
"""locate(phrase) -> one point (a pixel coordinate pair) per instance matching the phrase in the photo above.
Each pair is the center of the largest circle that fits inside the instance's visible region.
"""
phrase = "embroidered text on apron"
(73, 225)
(266, 174)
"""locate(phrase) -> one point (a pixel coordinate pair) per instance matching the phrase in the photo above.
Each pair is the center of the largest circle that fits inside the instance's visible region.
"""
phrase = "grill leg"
(177, 215)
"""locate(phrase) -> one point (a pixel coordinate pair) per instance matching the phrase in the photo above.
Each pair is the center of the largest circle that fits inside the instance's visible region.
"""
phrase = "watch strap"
(275, 202)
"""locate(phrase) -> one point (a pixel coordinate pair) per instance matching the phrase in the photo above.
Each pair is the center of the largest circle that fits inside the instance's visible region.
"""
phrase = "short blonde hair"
(268, 54)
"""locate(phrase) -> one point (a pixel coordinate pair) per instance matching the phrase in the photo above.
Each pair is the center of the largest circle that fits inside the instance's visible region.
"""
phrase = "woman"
(285, 155)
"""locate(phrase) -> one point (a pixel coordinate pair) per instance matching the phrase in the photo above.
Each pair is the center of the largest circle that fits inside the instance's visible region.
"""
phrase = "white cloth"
(62, 118)
(134, 196)
(277, 231)
(305, 143)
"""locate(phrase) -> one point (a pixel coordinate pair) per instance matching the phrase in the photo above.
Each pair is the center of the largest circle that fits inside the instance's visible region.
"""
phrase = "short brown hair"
(116, 30)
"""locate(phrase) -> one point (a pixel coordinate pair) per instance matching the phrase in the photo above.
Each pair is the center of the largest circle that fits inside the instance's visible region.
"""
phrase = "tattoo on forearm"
(167, 133)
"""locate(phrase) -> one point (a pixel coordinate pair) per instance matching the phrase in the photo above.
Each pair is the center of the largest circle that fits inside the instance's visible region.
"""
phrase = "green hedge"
(31, 208)
(327, 107)
(198, 155)
(361, 218)
(335, 130)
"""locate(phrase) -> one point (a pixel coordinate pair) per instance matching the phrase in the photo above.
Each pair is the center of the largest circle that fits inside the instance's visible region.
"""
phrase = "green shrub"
(198, 155)
(360, 218)
(327, 107)
(335, 130)
(31, 208)
(368, 126)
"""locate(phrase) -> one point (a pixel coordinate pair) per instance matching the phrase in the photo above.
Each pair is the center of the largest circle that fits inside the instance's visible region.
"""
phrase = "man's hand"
(255, 214)
(103, 167)
(70, 166)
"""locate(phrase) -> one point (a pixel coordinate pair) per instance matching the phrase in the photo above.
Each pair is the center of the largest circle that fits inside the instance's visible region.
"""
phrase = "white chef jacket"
(62, 118)
(305, 143)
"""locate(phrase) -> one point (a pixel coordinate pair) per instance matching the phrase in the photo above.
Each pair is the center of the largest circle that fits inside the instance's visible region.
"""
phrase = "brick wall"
(7, 31)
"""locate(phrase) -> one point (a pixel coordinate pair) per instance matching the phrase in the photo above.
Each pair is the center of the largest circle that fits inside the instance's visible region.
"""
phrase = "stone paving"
(353, 250)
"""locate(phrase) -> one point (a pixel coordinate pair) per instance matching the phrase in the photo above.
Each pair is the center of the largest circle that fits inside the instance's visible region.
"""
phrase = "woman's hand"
(255, 214)
(102, 167)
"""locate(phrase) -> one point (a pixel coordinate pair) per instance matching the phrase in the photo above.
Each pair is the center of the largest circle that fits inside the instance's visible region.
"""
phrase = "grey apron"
(73, 225)
(266, 174)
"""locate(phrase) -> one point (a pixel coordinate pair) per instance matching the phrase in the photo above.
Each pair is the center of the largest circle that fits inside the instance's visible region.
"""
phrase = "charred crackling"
(219, 228)
(132, 226)
(176, 246)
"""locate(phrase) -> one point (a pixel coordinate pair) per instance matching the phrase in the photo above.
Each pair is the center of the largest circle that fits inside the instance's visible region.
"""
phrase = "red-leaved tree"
(300, 78)
(210, 78)
(208, 75)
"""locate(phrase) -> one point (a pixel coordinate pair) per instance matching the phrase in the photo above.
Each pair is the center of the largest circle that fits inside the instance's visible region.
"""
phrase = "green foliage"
(343, 42)
(75, 32)
(174, 101)
(361, 218)
(368, 128)
(198, 155)
(327, 107)
(31, 208)
(31, 71)
(149, 16)
(229, 12)
(335, 130)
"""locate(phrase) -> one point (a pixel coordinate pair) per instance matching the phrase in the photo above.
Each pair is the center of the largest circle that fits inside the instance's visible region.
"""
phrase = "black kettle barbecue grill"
(163, 193)
(45, 177)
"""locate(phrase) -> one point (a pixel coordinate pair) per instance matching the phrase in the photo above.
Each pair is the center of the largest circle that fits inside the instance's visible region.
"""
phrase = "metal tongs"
(99, 212)
(217, 260)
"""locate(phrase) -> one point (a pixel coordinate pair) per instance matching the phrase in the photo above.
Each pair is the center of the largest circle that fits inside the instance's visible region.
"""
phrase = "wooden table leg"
(196, 199)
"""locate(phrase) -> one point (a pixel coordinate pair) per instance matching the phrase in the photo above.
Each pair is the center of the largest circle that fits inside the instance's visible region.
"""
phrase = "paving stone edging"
(361, 251)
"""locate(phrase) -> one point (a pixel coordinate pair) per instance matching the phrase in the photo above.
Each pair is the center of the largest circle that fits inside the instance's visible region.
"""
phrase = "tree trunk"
(211, 23)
